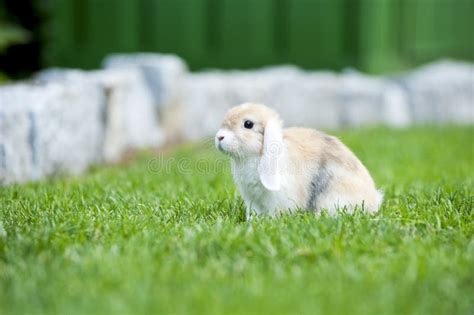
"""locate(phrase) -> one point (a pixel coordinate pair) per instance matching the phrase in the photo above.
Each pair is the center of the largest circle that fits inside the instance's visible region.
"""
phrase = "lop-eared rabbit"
(278, 170)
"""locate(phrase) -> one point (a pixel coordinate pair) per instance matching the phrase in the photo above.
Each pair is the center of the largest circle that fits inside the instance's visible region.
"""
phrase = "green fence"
(372, 35)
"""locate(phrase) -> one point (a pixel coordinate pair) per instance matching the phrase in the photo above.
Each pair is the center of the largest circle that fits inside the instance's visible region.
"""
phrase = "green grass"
(134, 239)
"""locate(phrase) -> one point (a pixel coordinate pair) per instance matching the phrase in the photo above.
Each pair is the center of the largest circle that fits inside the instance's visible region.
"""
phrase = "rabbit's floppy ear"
(270, 163)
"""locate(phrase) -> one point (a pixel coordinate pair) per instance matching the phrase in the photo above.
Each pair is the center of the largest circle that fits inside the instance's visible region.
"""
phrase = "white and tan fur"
(278, 170)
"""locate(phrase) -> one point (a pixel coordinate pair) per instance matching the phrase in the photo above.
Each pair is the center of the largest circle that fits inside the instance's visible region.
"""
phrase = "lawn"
(165, 234)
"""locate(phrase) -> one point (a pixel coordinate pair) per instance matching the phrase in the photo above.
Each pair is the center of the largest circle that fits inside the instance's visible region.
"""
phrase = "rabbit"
(278, 170)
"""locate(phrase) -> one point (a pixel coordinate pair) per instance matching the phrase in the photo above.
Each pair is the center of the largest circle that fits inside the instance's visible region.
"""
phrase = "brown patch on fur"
(311, 145)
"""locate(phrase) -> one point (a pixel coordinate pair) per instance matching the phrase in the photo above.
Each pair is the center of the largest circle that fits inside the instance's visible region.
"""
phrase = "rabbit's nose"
(220, 138)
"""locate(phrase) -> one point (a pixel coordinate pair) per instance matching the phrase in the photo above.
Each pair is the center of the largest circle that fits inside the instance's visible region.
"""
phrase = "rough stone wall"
(163, 76)
(50, 129)
(441, 92)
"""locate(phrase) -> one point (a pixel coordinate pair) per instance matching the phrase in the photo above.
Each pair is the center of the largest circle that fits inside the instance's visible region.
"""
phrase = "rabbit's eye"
(248, 124)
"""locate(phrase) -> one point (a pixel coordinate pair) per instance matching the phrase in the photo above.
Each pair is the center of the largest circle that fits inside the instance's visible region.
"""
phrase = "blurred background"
(85, 81)
(375, 36)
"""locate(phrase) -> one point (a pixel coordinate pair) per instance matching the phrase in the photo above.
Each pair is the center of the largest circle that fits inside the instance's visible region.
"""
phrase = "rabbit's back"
(329, 175)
